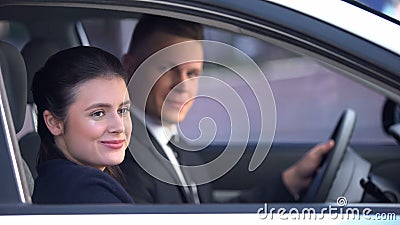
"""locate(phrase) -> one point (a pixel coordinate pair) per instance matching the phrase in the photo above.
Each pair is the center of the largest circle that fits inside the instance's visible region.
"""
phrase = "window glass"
(14, 33)
(112, 35)
(388, 7)
(309, 96)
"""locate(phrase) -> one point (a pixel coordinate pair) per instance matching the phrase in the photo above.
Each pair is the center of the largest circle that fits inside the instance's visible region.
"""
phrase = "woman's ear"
(55, 126)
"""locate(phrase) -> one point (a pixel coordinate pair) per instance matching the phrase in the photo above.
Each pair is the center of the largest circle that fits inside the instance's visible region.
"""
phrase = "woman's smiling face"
(98, 126)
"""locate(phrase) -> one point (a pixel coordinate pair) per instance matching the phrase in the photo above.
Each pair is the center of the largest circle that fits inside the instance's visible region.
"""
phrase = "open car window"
(308, 93)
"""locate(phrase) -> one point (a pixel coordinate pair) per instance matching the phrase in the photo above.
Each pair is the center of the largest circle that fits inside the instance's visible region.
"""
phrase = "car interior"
(15, 81)
(364, 122)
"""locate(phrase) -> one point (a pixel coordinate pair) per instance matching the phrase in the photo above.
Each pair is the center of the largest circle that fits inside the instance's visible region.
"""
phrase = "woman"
(85, 126)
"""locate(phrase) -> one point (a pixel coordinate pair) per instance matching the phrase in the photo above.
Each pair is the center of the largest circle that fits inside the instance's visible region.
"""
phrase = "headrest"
(15, 81)
(35, 53)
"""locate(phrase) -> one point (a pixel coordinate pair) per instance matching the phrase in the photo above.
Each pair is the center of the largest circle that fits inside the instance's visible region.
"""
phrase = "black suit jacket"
(144, 158)
(61, 181)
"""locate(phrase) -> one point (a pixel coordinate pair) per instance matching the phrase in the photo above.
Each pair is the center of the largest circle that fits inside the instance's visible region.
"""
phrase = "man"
(162, 95)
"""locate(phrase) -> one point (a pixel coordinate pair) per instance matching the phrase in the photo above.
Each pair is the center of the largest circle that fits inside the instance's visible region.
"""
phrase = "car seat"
(35, 53)
(15, 80)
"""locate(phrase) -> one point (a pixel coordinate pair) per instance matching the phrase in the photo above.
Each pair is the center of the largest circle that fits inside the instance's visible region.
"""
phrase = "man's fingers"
(324, 148)
(328, 146)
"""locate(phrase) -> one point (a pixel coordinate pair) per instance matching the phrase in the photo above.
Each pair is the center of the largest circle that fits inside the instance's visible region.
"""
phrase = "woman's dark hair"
(54, 89)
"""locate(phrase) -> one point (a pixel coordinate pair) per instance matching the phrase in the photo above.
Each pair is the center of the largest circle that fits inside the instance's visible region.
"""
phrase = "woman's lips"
(114, 144)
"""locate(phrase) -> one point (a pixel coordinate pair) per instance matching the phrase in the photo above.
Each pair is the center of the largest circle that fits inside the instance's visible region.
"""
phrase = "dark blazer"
(61, 181)
(145, 152)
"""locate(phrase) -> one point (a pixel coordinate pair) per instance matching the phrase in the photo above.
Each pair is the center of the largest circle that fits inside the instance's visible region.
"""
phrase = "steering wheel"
(322, 182)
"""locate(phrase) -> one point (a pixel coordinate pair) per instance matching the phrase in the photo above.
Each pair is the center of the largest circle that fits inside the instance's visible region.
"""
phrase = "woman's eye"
(98, 114)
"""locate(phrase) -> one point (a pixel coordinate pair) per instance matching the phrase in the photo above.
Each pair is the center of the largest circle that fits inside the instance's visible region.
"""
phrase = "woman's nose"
(116, 124)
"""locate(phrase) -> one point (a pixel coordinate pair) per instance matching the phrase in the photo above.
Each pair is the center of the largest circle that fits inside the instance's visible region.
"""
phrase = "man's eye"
(192, 74)
(98, 114)
(124, 111)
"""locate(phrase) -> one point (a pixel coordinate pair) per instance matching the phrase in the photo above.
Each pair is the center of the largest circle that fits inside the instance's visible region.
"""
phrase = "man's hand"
(298, 177)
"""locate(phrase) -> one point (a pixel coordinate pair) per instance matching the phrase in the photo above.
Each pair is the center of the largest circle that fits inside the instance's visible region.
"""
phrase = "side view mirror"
(391, 119)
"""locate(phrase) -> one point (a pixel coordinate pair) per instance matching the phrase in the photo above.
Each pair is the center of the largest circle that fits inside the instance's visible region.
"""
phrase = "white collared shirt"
(163, 135)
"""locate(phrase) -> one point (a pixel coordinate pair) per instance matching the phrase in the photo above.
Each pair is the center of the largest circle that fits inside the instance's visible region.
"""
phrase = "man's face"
(168, 82)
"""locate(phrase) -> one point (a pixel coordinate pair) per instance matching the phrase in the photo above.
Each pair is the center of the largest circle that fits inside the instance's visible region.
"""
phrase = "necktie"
(191, 188)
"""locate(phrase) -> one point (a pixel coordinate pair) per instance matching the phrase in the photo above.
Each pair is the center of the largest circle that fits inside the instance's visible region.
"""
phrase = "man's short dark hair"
(149, 24)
